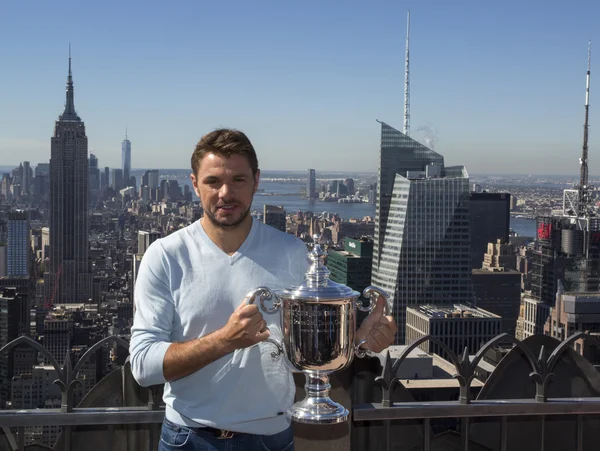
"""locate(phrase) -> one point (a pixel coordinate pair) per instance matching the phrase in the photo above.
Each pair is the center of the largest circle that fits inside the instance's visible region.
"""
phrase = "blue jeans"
(182, 438)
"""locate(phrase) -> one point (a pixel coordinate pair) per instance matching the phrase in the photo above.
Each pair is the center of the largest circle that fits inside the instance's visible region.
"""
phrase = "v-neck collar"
(220, 252)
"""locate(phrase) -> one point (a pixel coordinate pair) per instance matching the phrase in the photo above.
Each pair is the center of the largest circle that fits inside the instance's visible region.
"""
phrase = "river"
(288, 195)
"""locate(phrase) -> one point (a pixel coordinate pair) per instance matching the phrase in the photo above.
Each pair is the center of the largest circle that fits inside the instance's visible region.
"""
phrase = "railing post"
(542, 432)
(465, 432)
(504, 434)
(426, 434)
(387, 381)
(466, 373)
(67, 383)
(542, 376)
(67, 433)
(153, 397)
(579, 432)
(21, 438)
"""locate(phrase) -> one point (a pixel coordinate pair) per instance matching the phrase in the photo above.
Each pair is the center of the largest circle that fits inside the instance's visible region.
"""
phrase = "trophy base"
(318, 411)
(317, 407)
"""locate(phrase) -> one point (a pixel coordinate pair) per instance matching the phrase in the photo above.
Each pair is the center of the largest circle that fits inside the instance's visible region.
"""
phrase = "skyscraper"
(117, 182)
(105, 178)
(353, 265)
(490, 221)
(3, 234)
(274, 215)
(13, 322)
(568, 250)
(311, 186)
(94, 181)
(421, 249)
(497, 286)
(153, 179)
(18, 245)
(349, 186)
(68, 278)
(26, 178)
(126, 160)
(42, 169)
(145, 239)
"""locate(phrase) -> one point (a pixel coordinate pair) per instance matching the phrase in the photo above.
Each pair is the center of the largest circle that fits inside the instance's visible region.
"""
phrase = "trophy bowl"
(318, 321)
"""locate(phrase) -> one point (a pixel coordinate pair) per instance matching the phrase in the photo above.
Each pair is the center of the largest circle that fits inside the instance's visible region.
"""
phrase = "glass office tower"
(422, 235)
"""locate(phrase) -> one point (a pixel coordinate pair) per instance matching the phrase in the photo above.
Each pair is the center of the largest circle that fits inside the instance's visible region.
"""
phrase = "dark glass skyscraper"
(311, 185)
(421, 249)
(490, 221)
(68, 278)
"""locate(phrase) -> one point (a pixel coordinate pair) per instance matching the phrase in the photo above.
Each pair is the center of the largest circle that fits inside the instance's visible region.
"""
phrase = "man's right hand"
(245, 327)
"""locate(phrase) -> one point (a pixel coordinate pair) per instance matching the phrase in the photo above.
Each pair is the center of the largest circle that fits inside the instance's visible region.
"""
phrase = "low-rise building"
(458, 326)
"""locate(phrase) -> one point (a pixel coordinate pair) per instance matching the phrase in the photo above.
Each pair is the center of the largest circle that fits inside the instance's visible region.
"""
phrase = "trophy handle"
(373, 294)
(264, 293)
(360, 352)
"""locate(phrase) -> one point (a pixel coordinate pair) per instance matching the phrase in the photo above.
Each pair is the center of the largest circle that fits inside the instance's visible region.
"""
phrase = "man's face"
(225, 187)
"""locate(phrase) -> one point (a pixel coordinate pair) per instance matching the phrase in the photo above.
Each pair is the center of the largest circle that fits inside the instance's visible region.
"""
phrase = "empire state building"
(68, 278)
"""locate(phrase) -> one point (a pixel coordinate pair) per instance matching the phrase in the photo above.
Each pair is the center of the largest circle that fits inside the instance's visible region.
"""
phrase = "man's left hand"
(379, 330)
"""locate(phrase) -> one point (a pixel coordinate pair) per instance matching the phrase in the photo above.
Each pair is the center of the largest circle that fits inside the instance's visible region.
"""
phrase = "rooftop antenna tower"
(406, 126)
(583, 182)
(577, 202)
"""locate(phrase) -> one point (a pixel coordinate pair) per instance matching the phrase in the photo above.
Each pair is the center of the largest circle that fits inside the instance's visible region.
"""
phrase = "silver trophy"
(318, 323)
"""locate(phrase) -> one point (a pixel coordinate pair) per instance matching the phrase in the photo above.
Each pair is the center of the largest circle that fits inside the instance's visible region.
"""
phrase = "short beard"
(214, 221)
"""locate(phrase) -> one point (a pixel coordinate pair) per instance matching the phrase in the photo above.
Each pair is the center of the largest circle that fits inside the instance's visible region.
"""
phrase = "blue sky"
(499, 85)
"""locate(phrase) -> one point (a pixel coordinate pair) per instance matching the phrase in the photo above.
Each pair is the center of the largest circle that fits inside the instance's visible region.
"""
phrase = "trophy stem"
(317, 385)
(317, 407)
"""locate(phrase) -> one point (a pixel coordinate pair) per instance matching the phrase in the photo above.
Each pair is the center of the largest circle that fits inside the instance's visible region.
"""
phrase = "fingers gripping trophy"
(319, 324)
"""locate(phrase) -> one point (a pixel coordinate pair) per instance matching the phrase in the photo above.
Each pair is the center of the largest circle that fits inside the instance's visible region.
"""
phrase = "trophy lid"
(317, 286)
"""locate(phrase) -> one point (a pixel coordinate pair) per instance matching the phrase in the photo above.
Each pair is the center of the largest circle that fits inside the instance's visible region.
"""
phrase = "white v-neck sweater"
(187, 287)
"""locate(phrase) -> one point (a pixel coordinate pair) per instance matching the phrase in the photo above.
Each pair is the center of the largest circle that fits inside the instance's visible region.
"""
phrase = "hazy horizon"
(7, 168)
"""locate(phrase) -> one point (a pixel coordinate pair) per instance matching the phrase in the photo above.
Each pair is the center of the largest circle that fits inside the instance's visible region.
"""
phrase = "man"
(193, 330)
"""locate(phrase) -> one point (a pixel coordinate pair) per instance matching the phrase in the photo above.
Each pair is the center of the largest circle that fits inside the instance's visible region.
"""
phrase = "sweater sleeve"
(153, 319)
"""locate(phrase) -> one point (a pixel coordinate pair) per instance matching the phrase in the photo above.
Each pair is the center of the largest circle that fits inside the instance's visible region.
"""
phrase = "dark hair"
(224, 142)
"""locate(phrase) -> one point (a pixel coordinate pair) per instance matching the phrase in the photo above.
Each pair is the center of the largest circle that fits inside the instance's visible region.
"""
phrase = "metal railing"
(112, 417)
(388, 416)
(70, 417)
(467, 410)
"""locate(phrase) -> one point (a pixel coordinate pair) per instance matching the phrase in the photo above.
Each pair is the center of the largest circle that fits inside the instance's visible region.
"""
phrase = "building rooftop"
(452, 311)
(500, 270)
(345, 254)
(442, 371)
(274, 209)
(530, 298)
(397, 350)
(583, 295)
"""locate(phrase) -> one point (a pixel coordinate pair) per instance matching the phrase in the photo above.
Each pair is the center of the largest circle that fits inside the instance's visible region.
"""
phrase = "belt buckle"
(225, 434)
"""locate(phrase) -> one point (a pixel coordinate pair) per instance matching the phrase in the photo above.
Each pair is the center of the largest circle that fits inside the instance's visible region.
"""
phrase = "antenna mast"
(583, 182)
(406, 127)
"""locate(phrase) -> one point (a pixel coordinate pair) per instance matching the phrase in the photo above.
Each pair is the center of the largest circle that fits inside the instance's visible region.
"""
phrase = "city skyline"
(478, 92)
